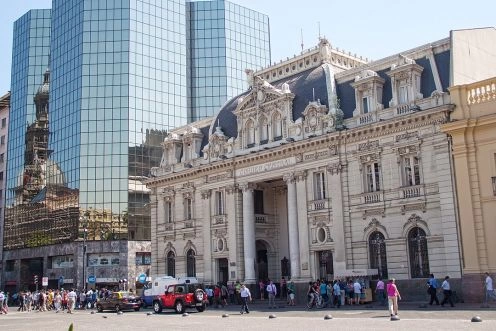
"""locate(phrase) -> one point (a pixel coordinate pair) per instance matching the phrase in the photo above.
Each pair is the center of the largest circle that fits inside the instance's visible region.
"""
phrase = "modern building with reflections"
(121, 75)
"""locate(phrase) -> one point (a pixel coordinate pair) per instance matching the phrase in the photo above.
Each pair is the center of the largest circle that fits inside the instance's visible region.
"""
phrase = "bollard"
(476, 319)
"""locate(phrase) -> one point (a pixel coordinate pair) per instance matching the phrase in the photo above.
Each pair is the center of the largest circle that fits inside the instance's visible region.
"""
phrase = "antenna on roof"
(318, 25)
(313, 93)
(301, 31)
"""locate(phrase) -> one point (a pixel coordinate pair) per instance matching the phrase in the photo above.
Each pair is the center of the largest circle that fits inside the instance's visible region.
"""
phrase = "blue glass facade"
(120, 78)
(224, 39)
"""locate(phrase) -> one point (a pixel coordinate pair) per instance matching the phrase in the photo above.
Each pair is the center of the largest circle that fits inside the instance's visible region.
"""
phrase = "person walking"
(272, 291)
(337, 294)
(446, 292)
(488, 285)
(393, 297)
(245, 297)
(71, 301)
(291, 293)
(2, 306)
(357, 290)
(432, 290)
(379, 292)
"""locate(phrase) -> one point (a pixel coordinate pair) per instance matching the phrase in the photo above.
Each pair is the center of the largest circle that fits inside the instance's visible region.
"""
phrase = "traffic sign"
(142, 278)
(44, 281)
(91, 279)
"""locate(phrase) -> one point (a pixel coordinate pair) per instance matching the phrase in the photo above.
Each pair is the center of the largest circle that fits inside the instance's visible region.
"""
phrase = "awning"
(355, 273)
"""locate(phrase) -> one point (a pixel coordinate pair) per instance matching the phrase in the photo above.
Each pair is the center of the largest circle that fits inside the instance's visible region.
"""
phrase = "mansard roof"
(307, 86)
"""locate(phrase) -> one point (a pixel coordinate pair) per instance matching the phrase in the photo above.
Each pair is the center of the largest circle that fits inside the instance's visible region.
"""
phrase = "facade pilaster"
(303, 234)
(206, 232)
(249, 232)
(335, 185)
(234, 233)
(154, 233)
(294, 244)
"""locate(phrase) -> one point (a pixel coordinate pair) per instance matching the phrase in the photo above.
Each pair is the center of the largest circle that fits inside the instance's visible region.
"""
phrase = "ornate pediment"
(315, 119)
(217, 145)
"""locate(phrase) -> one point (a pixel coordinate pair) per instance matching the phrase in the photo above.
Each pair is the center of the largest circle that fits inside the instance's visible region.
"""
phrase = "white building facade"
(329, 166)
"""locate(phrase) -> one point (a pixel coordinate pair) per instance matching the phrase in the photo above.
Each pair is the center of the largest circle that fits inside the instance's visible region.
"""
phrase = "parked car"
(181, 296)
(118, 301)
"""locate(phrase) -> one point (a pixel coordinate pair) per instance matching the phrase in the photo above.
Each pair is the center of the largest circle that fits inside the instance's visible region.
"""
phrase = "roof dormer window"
(368, 92)
(405, 82)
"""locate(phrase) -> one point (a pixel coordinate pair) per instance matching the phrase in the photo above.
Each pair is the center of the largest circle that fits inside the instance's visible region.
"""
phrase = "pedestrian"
(231, 290)
(393, 297)
(57, 301)
(446, 292)
(488, 285)
(71, 301)
(432, 290)
(224, 293)
(272, 292)
(379, 293)
(337, 294)
(323, 292)
(237, 288)
(261, 287)
(291, 293)
(245, 297)
(357, 290)
(284, 289)
(2, 307)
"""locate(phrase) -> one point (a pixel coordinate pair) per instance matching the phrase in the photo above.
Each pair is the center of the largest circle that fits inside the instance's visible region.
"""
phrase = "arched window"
(250, 134)
(417, 249)
(277, 126)
(264, 130)
(377, 254)
(171, 264)
(190, 263)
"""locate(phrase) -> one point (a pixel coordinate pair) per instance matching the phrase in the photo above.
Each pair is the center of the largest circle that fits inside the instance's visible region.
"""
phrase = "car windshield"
(125, 294)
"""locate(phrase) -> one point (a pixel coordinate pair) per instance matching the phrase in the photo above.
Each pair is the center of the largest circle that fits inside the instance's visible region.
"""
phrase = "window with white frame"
(168, 212)
(372, 177)
(319, 186)
(365, 104)
(410, 170)
(188, 208)
(250, 134)
(219, 203)
(277, 126)
(403, 94)
(264, 130)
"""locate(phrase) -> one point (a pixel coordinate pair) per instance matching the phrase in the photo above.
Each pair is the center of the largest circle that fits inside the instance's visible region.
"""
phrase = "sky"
(372, 29)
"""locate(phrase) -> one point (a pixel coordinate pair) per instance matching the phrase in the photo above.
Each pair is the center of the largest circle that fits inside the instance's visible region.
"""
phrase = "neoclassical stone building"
(329, 166)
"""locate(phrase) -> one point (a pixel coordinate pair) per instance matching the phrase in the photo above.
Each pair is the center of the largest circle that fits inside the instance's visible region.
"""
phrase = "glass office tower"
(122, 73)
(224, 39)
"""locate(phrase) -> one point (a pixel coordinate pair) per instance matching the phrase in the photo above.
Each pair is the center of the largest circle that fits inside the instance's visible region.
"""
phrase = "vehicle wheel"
(201, 308)
(179, 307)
(157, 307)
(99, 308)
(117, 308)
(199, 295)
(137, 309)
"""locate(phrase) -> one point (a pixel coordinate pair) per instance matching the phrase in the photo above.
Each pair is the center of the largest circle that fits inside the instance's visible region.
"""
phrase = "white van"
(159, 285)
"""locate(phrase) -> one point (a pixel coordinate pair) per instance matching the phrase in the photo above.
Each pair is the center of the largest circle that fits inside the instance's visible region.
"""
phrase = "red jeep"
(179, 297)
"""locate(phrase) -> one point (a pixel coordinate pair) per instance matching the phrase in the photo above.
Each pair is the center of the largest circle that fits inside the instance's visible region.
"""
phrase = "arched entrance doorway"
(262, 267)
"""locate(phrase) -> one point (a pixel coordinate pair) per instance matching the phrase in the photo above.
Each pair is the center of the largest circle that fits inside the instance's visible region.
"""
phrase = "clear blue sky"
(373, 29)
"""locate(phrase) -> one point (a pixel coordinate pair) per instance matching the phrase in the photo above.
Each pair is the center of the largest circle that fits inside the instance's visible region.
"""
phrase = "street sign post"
(142, 278)
(44, 281)
(91, 279)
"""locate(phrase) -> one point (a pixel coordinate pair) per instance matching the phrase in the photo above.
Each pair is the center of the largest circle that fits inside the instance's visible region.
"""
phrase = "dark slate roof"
(303, 85)
(346, 93)
(204, 131)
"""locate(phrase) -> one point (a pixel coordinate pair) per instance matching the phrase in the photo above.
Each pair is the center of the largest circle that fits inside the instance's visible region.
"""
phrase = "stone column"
(294, 245)
(303, 233)
(249, 233)
(335, 185)
(207, 247)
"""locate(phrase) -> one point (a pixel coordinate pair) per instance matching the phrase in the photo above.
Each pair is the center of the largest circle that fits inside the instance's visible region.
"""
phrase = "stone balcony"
(411, 191)
(317, 205)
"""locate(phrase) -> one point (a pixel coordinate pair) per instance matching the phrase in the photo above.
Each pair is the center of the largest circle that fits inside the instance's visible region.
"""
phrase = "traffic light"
(35, 278)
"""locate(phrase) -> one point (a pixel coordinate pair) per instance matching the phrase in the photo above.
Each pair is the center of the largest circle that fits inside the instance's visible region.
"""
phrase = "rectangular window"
(188, 209)
(143, 258)
(372, 179)
(219, 203)
(403, 97)
(168, 212)
(1, 175)
(411, 170)
(259, 203)
(9, 265)
(319, 186)
(365, 105)
(2, 140)
(2, 158)
(4, 122)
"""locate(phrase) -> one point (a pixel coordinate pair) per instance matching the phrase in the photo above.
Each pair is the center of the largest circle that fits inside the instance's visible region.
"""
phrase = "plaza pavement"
(364, 317)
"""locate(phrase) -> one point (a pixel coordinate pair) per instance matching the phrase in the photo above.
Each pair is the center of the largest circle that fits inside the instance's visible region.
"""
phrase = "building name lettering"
(269, 166)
